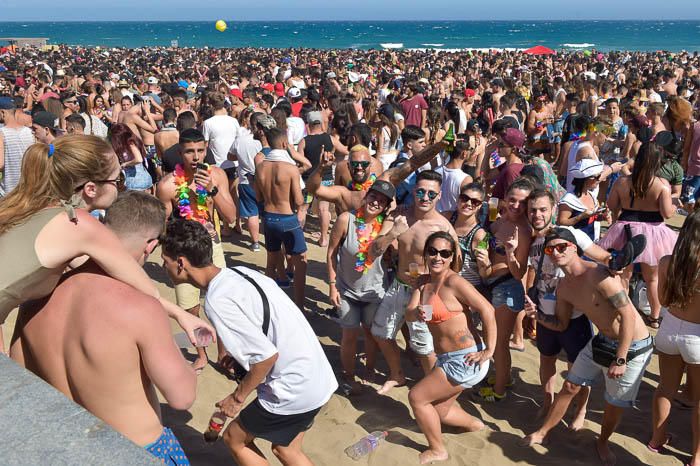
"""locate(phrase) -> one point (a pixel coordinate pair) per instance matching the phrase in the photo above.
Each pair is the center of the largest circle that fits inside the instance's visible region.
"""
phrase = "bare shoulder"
(167, 184)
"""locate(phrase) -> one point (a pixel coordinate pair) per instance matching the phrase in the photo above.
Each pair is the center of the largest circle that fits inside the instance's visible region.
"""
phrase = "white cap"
(60, 73)
(331, 74)
(586, 168)
(152, 80)
(353, 77)
(293, 92)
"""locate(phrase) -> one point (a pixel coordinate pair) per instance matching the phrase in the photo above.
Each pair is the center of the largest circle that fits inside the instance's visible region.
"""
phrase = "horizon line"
(347, 20)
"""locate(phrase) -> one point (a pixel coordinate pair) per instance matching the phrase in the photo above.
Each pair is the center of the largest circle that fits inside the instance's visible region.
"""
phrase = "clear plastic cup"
(203, 337)
(428, 311)
(493, 209)
(414, 270)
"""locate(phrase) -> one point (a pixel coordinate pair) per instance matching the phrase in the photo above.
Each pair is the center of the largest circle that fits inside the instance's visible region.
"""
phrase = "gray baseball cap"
(384, 187)
(314, 117)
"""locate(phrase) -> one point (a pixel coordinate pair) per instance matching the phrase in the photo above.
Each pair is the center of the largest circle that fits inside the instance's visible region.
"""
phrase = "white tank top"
(452, 179)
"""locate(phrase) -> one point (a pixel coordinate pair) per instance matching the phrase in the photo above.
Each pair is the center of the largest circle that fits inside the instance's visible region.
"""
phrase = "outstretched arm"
(397, 174)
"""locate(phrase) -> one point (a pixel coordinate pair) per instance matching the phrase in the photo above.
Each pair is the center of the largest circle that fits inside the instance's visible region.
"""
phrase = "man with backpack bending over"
(267, 334)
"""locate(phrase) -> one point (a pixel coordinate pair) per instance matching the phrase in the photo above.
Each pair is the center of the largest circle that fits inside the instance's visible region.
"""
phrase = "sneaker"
(487, 394)
(255, 247)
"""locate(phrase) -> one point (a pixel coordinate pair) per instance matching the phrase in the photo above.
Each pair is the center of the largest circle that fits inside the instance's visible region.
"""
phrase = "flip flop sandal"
(654, 323)
(629, 252)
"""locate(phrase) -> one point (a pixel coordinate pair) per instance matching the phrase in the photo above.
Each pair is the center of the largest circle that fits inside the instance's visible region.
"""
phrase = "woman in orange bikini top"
(462, 354)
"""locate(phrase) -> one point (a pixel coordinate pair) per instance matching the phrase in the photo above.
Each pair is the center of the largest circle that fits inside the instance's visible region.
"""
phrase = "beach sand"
(345, 420)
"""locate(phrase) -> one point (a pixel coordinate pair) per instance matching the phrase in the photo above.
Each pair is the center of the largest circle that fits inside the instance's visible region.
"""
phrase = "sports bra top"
(440, 311)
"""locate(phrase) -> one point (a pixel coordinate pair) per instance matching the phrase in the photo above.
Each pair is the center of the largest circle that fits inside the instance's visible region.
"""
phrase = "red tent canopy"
(540, 50)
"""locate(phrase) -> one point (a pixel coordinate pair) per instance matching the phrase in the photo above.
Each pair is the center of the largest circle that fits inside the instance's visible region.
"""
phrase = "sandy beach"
(344, 420)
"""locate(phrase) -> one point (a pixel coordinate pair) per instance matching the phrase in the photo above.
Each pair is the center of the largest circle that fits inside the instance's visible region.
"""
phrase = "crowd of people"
(468, 200)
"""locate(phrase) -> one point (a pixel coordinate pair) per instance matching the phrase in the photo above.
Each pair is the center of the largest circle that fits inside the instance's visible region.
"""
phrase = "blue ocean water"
(603, 35)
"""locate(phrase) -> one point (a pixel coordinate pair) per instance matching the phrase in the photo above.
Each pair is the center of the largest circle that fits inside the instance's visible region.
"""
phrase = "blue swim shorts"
(167, 449)
(247, 204)
(283, 229)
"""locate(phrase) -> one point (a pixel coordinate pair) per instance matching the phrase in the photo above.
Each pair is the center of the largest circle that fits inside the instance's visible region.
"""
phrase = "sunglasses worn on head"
(470, 200)
(420, 194)
(444, 253)
(560, 248)
(363, 164)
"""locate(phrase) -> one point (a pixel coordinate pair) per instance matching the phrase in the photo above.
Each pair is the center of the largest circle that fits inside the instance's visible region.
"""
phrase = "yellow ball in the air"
(221, 25)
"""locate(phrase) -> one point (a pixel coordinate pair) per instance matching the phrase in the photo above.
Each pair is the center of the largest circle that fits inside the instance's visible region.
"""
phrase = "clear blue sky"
(280, 10)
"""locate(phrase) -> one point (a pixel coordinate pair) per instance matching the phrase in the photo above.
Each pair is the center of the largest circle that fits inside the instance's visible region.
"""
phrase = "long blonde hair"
(46, 180)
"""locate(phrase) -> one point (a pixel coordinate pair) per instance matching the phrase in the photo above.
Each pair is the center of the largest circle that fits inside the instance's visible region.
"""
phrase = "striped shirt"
(16, 141)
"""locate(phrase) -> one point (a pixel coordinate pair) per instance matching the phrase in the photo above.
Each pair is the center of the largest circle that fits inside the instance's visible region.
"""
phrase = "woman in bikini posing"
(462, 356)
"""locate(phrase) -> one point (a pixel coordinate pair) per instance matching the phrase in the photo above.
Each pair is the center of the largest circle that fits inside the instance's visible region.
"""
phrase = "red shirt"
(296, 108)
(508, 174)
(412, 110)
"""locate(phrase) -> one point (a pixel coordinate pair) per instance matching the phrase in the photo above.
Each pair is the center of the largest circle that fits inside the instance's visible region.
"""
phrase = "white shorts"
(679, 337)
(392, 314)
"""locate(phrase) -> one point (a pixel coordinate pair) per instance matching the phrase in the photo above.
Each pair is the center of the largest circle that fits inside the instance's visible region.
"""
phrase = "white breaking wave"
(433, 45)
(391, 45)
(578, 46)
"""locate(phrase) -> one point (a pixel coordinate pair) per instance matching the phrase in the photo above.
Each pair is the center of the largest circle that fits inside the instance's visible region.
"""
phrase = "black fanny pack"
(605, 351)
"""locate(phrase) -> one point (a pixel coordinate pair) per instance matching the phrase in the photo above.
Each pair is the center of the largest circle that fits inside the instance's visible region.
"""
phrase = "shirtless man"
(214, 181)
(168, 135)
(411, 227)
(351, 199)
(278, 185)
(602, 298)
(107, 356)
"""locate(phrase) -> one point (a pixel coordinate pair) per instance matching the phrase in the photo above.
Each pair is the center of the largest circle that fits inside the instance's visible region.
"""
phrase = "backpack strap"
(263, 296)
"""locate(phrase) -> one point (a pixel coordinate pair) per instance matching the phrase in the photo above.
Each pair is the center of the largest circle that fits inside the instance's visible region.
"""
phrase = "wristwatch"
(214, 191)
(620, 361)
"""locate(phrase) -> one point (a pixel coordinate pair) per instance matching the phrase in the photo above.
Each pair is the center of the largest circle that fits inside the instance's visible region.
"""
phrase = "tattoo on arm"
(619, 300)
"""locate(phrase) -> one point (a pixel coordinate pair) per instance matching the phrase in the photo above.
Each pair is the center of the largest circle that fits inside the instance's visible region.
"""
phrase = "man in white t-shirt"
(286, 364)
(246, 147)
(220, 130)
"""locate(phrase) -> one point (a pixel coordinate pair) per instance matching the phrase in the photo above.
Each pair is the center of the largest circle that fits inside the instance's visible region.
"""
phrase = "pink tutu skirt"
(660, 240)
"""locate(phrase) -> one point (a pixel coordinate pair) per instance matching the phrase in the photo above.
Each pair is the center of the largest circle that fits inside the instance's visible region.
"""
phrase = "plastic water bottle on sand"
(366, 445)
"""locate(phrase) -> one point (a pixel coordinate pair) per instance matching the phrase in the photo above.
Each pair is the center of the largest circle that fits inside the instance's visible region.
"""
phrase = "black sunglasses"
(363, 164)
(444, 253)
(470, 200)
(119, 182)
(420, 194)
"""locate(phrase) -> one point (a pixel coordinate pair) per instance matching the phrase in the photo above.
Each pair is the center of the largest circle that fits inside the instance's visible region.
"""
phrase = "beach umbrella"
(539, 50)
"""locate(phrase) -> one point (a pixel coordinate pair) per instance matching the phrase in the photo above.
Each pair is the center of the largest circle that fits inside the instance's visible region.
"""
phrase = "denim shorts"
(572, 340)
(283, 229)
(691, 189)
(247, 204)
(620, 392)
(679, 337)
(554, 131)
(391, 315)
(352, 313)
(458, 370)
(137, 178)
(510, 293)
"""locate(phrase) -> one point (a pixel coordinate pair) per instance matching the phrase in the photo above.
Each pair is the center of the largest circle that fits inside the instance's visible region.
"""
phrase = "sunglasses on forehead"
(359, 164)
(444, 253)
(420, 194)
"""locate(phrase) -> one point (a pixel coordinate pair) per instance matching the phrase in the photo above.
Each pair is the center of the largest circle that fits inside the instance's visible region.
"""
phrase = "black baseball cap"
(45, 120)
(566, 235)
(385, 188)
